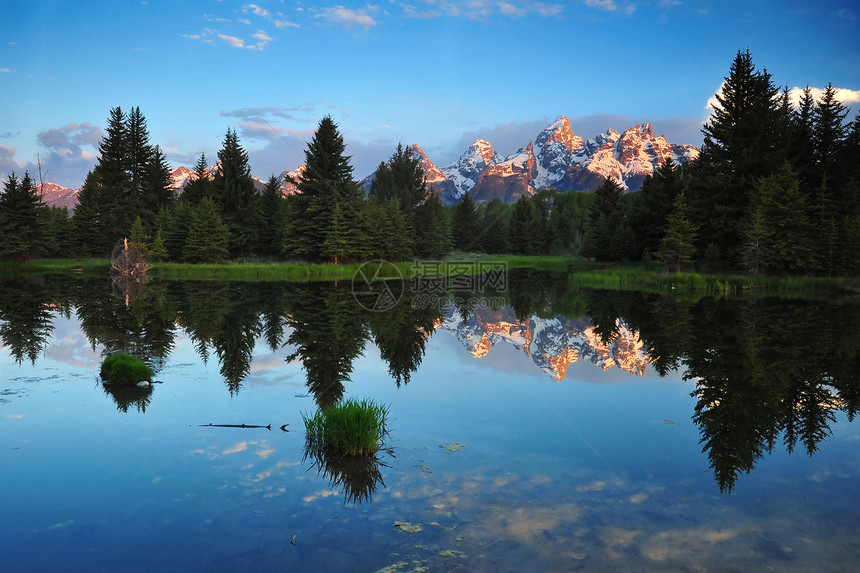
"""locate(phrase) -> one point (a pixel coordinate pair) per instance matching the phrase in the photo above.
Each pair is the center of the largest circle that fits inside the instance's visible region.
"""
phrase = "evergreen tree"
(402, 178)
(137, 234)
(113, 178)
(89, 222)
(465, 229)
(21, 218)
(740, 146)
(272, 219)
(208, 236)
(234, 192)
(138, 156)
(605, 217)
(786, 221)
(432, 228)
(327, 181)
(828, 135)
(677, 246)
(158, 253)
(802, 148)
(522, 236)
(158, 189)
(653, 205)
(494, 235)
(176, 230)
(56, 241)
(200, 184)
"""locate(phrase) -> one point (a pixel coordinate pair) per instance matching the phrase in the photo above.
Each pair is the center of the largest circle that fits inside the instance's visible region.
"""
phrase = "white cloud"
(846, 15)
(5, 71)
(254, 9)
(480, 9)
(608, 5)
(843, 95)
(348, 17)
(232, 40)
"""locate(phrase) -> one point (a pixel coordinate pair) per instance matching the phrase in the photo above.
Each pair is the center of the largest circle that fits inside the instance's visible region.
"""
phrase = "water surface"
(539, 428)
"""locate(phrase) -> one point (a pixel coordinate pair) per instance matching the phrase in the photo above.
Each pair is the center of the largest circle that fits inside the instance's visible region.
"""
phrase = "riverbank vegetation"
(775, 192)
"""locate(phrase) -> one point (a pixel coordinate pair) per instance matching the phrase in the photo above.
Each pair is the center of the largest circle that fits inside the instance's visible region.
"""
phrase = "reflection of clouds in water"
(236, 448)
(68, 345)
(320, 495)
(532, 523)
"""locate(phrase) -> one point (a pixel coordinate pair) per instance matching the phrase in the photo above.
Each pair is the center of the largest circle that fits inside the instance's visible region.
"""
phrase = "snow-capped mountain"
(553, 344)
(557, 158)
(58, 196)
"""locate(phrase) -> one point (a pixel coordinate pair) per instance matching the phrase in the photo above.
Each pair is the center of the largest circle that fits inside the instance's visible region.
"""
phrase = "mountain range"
(555, 158)
(553, 344)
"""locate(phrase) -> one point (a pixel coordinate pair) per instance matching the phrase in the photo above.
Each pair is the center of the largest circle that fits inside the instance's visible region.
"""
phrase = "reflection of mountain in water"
(552, 343)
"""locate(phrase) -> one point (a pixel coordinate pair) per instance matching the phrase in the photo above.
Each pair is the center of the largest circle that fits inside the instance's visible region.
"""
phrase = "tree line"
(775, 190)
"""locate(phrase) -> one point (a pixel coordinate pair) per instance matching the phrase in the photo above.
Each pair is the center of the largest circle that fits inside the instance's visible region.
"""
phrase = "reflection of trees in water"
(765, 369)
(145, 327)
(25, 319)
(127, 397)
(357, 476)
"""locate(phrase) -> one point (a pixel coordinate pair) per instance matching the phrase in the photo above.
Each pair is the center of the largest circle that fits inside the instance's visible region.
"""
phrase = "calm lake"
(533, 426)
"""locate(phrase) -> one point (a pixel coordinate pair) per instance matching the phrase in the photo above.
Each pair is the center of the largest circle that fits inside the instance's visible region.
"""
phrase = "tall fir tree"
(272, 219)
(465, 225)
(21, 218)
(208, 236)
(432, 228)
(326, 181)
(235, 194)
(677, 245)
(605, 219)
(653, 205)
(199, 184)
(740, 146)
(522, 230)
(402, 177)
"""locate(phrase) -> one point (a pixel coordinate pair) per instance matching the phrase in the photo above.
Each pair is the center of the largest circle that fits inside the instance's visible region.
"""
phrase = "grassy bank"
(583, 273)
(721, 283)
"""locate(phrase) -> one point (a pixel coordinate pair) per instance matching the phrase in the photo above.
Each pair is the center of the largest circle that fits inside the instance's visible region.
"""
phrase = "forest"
(774, 191)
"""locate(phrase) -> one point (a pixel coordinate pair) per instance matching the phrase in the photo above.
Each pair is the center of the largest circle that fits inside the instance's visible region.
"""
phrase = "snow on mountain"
(464, 173)
(180, 177)
(560, 159)
(58, 196)
(552, 344)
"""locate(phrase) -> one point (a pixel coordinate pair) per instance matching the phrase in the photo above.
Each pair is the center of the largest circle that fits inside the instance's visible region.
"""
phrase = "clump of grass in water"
(351, 427)
(122, 368)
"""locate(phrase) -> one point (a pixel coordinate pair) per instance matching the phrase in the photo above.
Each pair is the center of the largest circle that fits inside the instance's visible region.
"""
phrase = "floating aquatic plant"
(351, 427)
(122, 368)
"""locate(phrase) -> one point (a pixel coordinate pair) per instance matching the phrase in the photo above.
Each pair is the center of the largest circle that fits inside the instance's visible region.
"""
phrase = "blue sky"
(434, 72)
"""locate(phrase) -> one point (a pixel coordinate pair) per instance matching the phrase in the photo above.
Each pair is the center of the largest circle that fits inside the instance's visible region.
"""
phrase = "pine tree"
(653, 205)
(740, 146)
(828, 134)
(177, 229)
(465, 227)
(234, 193)
(494, 235)
(272, 219)
(89, 222)
(327, 181)
(200, 184)
(677, 246)
(604, 218)
(786, 220)
(802, 154)
(522, 238)
(137, 234)
(21, 218)
(432, 228)
(158, 253)
(158, 189)
(208, 236)
(402, 178)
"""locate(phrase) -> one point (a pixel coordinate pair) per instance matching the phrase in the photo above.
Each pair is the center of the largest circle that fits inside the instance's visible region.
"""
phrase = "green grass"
(632, 278)
(122, 368)
(351, 427)
(84, 266)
